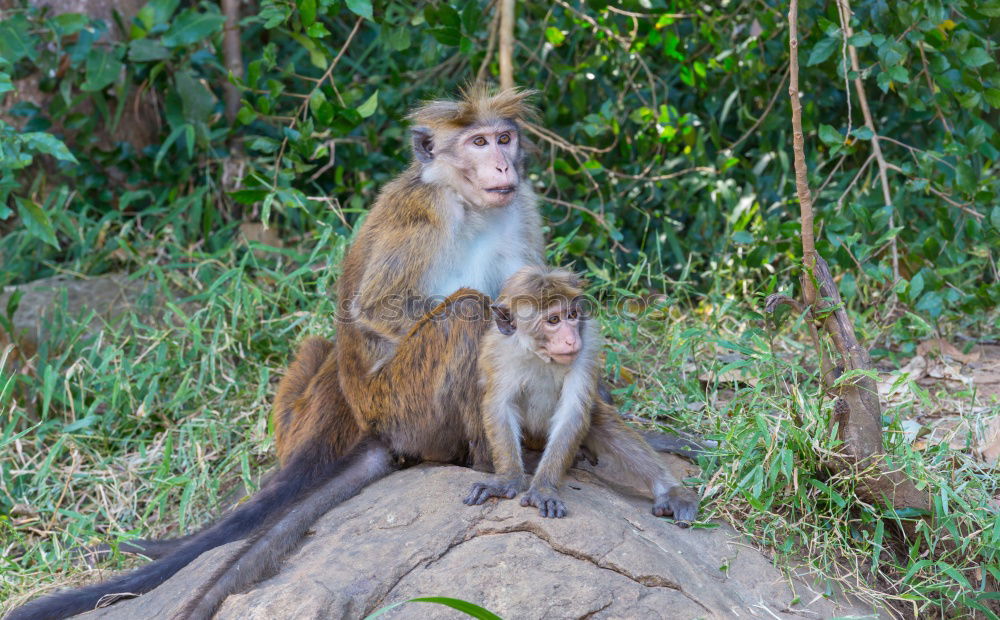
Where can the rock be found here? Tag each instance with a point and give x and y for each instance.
(109, 296)
(409, 535)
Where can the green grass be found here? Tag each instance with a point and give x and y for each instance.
(150, 426)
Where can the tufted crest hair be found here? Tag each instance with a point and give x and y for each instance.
(478, 102)
(541, 287)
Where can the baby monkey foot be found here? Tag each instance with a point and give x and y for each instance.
(546, 501)
(482, 491)
(680, 502)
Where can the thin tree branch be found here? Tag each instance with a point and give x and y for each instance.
(767, 110)
(844, 7)
(305, 103)
(506, 44)
(799, 158)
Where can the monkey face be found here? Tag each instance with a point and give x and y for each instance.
(481, 162)
(490, 154)
(559, 331)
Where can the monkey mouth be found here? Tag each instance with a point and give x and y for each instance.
(503, 189)
(562, 358)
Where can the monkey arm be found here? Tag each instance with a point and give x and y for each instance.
(388, 301)
(502, 421)
(567, 428)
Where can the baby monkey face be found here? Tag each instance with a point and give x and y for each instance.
(558, 333)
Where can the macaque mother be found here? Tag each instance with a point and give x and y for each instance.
(400, 383)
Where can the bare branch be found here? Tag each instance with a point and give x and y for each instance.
(844, 9)
(506, 44)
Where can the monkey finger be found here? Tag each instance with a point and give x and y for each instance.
(662, 509)
(556, 509)
(478, 494)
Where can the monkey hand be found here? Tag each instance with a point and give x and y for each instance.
(500, 488)
(546, 501)
(680, 502)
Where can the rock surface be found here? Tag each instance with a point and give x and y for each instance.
(109, 296)
(409, 535)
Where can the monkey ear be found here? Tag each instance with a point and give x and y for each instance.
(505, 323)
(423, 144)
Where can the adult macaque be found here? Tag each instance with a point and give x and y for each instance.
(396, 385)
(540, 372)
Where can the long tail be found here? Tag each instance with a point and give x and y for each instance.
(303, 473)
(676, 444)
(261, 554)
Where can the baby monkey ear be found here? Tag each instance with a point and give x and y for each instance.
(505, 322)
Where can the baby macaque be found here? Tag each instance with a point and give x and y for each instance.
(540, 370)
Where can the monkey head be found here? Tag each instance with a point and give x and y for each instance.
(473, 145)
(542, 309)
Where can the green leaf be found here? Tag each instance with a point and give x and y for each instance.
(822, 50)
(863, 133)
(36, 221)
(469, 609)
(157, 12)
(860, 39)
(965, 178)
(829, 135)
(916, 286)
(995, 218)
(976, 57)
(192, 27)
(248, 197)
(884, 81)
(743, 237)
(70, 23)
(898, 73)
(147, 50)
(317, 31)
(307, 12)
(246, 115)
(554, 36)
(446, 35)
(15, 41)
(174, 135)
(992, 96)
(361, 8)
(196, 99)
(368, 108)
(48, 144)
(103, 68)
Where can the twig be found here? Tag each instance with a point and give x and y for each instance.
(799, 158)
(305, 103)
(490, 44)
(861, 170)
(829, 177)
(599, 218)
(930, 86)
(232, 55)
(844, 9)
(660, 177)
(615, 9)
(506, 53)
(767, 110)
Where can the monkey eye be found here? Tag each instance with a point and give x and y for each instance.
(553, 320)
(479, 141)
(573, 315)
(504, 138)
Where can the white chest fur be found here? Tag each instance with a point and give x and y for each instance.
(484, 250)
